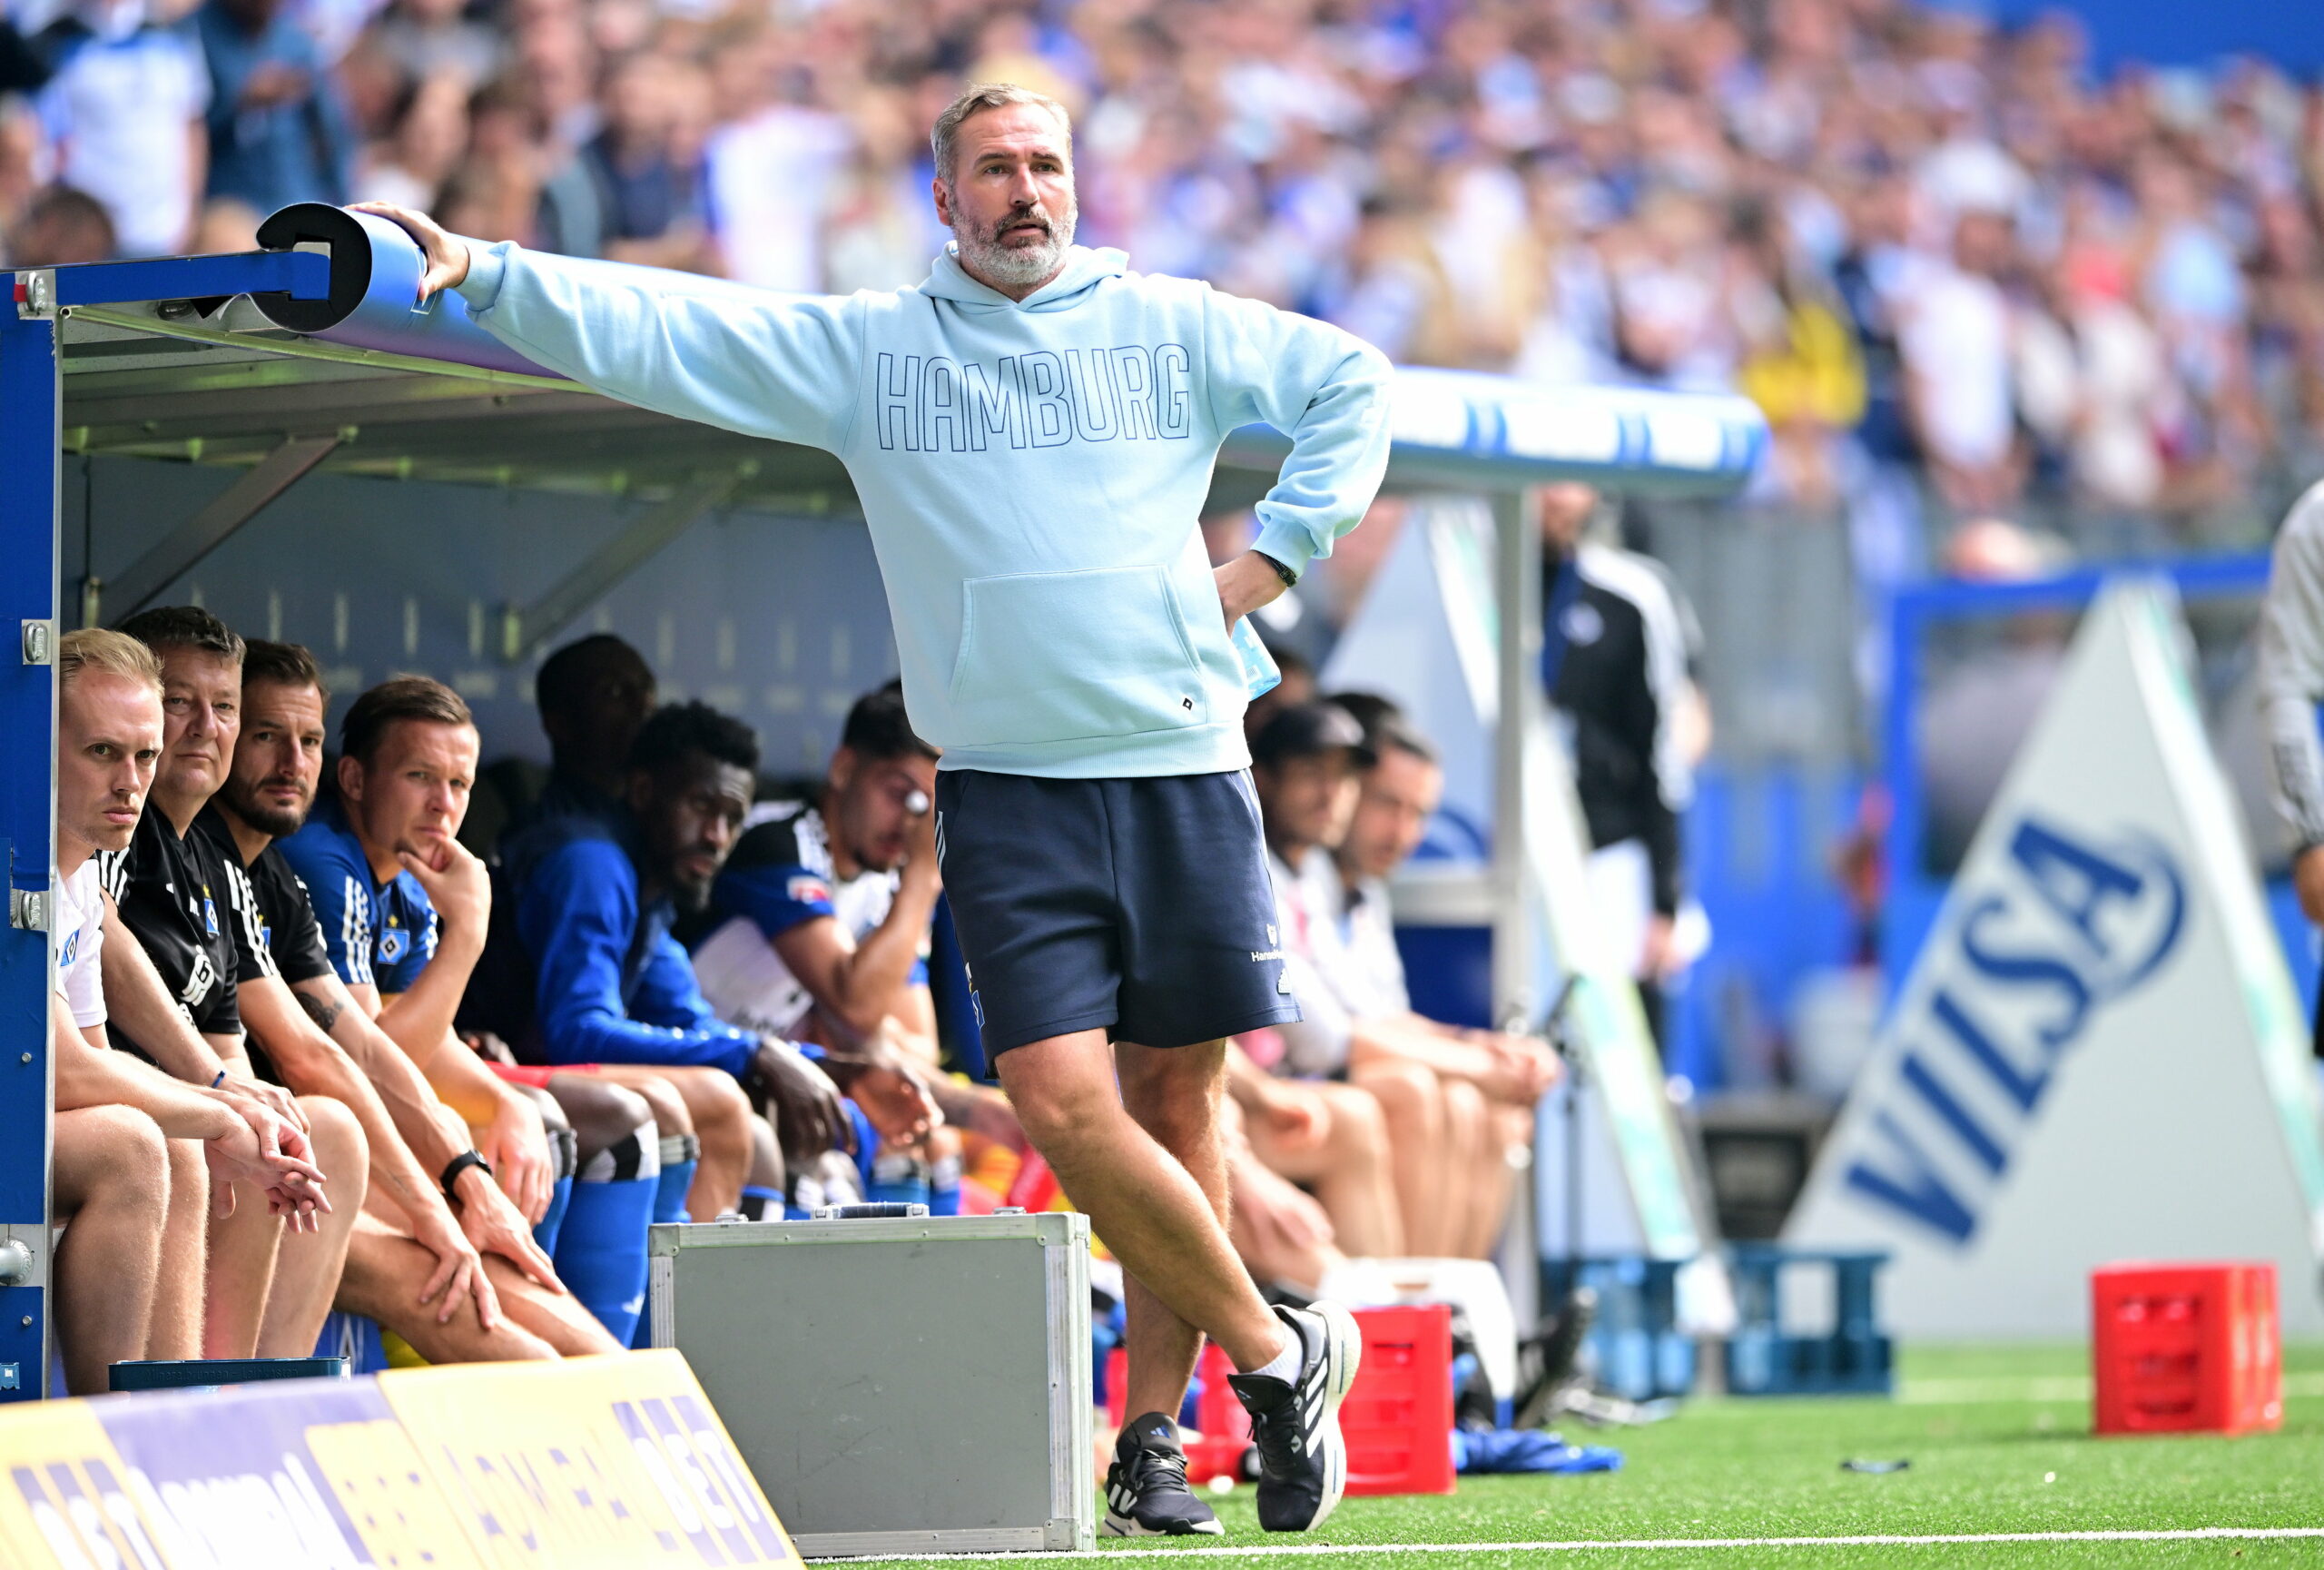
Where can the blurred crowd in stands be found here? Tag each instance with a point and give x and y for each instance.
(1932, 249)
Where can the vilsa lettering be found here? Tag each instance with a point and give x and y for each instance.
(2074, 924)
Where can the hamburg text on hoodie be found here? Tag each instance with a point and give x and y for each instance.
(1032, 471)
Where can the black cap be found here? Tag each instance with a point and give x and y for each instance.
(1306, 729)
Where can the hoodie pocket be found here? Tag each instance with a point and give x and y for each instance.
(1053, 657)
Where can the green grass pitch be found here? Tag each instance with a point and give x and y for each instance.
(1998, 1439)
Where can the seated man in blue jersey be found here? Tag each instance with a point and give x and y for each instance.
(594, 694)
(404, 911)
(818, 930)
(583, 968)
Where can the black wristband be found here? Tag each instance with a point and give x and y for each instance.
(1290, 578)
(456, 1166)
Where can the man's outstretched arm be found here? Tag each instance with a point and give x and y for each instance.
(785, 369)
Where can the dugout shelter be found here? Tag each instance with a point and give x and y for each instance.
(283, 435)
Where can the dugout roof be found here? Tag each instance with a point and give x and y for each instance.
(216, 382)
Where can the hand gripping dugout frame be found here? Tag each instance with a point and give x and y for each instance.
(374, 301)
(374, 298)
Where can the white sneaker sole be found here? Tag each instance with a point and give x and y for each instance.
(1117, 1525)
(1343, 1353)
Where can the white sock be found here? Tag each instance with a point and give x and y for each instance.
(1286, 1366)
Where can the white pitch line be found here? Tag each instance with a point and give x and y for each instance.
(1586, 1546)
(2052, 1388)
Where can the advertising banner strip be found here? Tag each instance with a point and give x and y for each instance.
(606, 1461)
(609, 1462)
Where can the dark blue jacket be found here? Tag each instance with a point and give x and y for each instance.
(579, 970)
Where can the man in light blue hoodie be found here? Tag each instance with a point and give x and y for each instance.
(1031, 432)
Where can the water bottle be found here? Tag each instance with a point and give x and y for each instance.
(1260, 673)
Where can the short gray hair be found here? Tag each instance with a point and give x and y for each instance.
(976, 100)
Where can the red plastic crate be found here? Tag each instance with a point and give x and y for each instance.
(1397, 1419)
(1214, 1450)
(2185, 1349)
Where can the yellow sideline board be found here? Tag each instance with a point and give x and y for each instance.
(597, 1462)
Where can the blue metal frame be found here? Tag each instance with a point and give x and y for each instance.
(31, 414)
(301, 274)
(32, 401)
(1913, 899)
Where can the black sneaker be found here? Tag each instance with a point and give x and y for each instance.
(1303, 1464)
(1147, 1494)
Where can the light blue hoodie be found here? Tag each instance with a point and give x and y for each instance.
(1031, 472)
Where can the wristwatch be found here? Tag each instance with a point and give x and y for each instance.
(1290, 578)
(456, 1166)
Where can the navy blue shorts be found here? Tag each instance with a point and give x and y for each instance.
(1138, 906)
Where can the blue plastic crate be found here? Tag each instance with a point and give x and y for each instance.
(1762, 1359)
(1634, 1342)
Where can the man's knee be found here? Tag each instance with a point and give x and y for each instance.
(1405, 1090)
(1466, 1111)
(602, 1113)
(1173, 1086)
(1359, 1124)
(116, 1152)
(552, 1115)
(717, 1102)
(341, 1148)
(1063, 1097)
(721, 1097)
(667, 1107)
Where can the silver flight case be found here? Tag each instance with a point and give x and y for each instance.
(899, 1385)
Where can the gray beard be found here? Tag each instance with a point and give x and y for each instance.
(986, 258)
